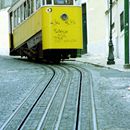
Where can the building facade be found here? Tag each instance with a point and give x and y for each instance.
(6, 3)
(4, 32)
(117, 27)
(96, 27)
(121, 51)
(98, 31)
(4, 26)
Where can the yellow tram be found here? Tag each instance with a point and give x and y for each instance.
(45, 29)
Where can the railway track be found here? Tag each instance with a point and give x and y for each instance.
(92, 116)
(61, 101)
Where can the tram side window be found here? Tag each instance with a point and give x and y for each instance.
(32, 6)
(38, 4)
(18, 16)
(22, 12)
(63, 2)
(28, 8)
(15, 18)
(11, 21)
(25, 10)
(43, 2)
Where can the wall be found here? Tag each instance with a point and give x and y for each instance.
(117, 34)
(6, 3)
(120, 34)
(4, 37)
(96, 27)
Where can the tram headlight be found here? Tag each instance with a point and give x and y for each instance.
(49, 10)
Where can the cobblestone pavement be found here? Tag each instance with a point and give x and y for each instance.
(62, 102)
(15, 78)
(111, 90)
(112, 98)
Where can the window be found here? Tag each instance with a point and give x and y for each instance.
(48, 1)
(59, 2)
(15, 18)
(22, 12)
(69, 2)
(63, 2)
(38, 4)
(25, 10)
(122, 21)
(18, 16)
(11, 22)
(32, 6)
(28, 8)
(43, 2)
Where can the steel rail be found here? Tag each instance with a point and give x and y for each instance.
(63, 105)
(62, 83)
(36, 100)
(33, 90)
(57, 80)
(49, 104)
(76, 122)
(79, 98)
(94, 117)
(93, 106)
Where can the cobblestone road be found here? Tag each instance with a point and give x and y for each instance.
(111, 92)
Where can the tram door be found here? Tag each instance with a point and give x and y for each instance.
(84, 24)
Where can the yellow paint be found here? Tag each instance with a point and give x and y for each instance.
(28, 28)
(60, 34)
(56, 33)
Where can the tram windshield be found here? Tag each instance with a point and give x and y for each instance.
(63, 2)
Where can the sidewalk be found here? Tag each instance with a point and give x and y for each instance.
(102, 61)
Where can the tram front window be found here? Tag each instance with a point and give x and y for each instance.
(48, 1)
(63, 2)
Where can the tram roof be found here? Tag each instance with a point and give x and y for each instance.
(19, 3)
(16, 5)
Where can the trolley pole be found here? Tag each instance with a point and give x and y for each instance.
(126, 30)
(110, 44)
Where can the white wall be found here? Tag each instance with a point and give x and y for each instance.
(118, 36)
(4, 33)
(96, 27)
